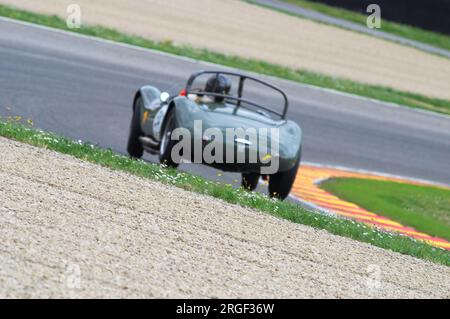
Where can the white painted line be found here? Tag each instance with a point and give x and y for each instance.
(191, 60)
(313, 207)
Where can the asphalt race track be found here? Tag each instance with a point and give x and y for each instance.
(83, 89)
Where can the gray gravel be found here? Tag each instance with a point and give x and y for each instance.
(72, 229)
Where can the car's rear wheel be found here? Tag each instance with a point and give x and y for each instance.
(167, 144)
(250, 181)
(280, 184)
(134, 147)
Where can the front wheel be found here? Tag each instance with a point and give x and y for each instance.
(167, 144)
(280, 184)
(134, 147)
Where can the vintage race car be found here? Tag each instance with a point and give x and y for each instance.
(211, 124)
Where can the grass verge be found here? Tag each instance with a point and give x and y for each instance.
(302, 76)
(107, 158)
(424, 208)
(417, 34)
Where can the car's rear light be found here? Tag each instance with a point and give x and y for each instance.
(183, 93)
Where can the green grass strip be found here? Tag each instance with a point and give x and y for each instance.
(424, 208)
(344, 85)
(294, 213)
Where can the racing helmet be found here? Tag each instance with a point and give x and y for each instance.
(219, 84)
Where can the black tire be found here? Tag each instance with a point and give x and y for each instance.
(167, 144)
(250, 181)
(280, 184)
(135, 148)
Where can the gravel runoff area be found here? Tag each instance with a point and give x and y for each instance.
(238, 28)
(69, 228)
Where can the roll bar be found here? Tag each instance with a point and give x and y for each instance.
(239, 100)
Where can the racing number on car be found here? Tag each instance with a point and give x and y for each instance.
(144, 118)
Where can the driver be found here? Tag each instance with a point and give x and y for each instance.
(218, 84)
